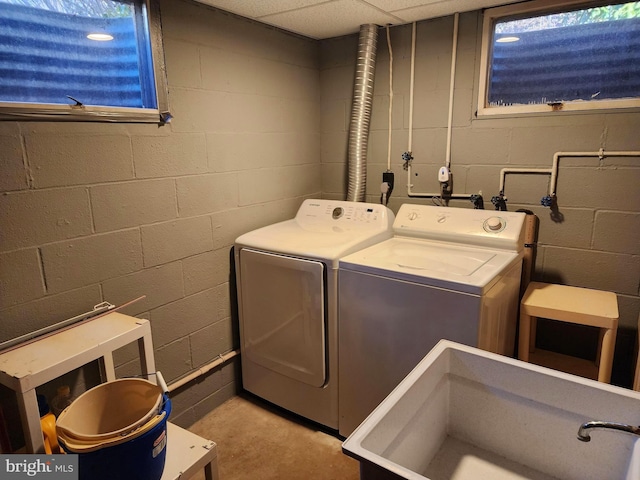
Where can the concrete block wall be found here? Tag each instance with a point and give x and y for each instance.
(592, 241)
(94, 212)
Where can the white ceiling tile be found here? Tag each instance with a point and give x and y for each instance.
(332, 19)
(259, 8)
(393, 5)
(441, 8)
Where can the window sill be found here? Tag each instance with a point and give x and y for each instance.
(83, 113)
(569, 108)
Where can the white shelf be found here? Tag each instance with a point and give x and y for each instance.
(187, 453)
(35, 363)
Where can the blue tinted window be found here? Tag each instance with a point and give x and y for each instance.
(580, 55)
(49, 53)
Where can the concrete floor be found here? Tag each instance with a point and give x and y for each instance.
(257, 441)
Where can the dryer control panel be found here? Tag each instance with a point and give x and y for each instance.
(346, 214)
(495, 229)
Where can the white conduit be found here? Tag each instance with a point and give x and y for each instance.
(553, 171)
(390, 98)
(411, 80)
(454, 56)
(410, 193)
(222, 358)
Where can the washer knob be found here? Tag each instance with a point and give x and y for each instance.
(494, 223)
(412, 215)
(337, 213)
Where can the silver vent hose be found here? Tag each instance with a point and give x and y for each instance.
(361, 113)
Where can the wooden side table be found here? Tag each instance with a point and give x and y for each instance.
(576, 305)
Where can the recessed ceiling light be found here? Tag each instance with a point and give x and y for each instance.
(508, 39)
(100, 37)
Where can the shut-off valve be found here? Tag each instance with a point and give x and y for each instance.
(500, 202)
(478, 202)
(548, 201)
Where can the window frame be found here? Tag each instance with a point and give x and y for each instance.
(100, 113)
(529, 8)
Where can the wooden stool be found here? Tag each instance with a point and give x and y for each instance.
(581, 306)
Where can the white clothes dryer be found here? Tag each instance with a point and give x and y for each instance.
(287, 284)
(447, 273)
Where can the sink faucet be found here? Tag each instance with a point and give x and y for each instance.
(583, 431)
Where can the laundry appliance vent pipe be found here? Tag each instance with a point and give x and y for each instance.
(361, 112)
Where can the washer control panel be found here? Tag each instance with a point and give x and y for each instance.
(461, 225)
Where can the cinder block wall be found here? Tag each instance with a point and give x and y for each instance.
(93, 212)
(594, 242)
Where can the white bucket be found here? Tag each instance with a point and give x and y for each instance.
(111, 409)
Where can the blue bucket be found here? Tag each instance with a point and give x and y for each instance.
(141, 458)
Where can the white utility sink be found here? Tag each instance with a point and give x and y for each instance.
(467, 414)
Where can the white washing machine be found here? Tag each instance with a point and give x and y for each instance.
(287, 277)
(449, 273)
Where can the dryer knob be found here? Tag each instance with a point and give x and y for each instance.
(494, 223)
(412, 215)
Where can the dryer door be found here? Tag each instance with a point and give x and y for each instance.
(283, 314)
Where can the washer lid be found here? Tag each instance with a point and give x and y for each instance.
(324, 229)
(447, 265)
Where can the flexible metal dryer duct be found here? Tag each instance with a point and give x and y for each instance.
(361, 113)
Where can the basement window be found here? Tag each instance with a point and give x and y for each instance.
(82, 60)
(537, 59)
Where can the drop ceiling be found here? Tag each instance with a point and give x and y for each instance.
(321, 19)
